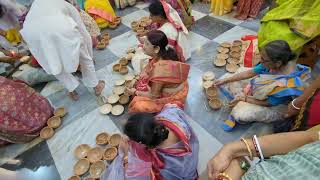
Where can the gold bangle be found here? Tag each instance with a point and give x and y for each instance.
(248, 148)
(225, 176)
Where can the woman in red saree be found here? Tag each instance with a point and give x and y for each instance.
(163, 80)
(23, 112)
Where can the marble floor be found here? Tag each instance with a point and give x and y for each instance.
(53, 159)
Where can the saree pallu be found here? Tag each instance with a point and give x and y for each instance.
(295, 21)
(101, 11)
(302, 163)
(178, 161)
(165, 72)
(23, 112)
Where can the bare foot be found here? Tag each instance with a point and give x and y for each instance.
(99, 87)
(74, 95)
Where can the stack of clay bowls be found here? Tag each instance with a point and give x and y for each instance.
(141, 26)
(105, 38)
(207, 79)
(53, 123)
(223, 54)
(211, 92)
(115, 23)
(95, 160)
(121, 66)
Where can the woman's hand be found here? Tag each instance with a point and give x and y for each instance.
(291, 111)
(235, 101)
(131, 91)
(219, 82)
(219, 163)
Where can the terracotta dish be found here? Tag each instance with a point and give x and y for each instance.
(46, 133)
(54, 122)
(82, 150)
(105, 41)
(223, 50)
(105, 36)
(105, 109)
(212, 92)
(74, 178)
(208, 76)
(130, 50)
(117, 110)
(134, 24)
(207, 84)
(114, 140)
(116, 67)
(233, 61)
(124, 99)
(123, 61)
(222, 56)
(97, 169)
(237, 43)
(113, 25)
(81, 167)
(110, 153)
(95, 154)
(215, 104)
(235, 49)
(102, 138)
(220, 62)
(145, 18)
(226, 45)
(113, 98)
(124, 70)
(120, 82)
(236, 55)
(232, 68)
(118, 90)
(143, 24)
(60, 112)
(101, 45)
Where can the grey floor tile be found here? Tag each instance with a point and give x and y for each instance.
(126, 11)
(118, 31)
(103, 58)
(201, 7)
(211, 27)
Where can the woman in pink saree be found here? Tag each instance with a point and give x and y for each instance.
(23, 112)
(161, 147)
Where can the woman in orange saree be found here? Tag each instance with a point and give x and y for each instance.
(163, 80)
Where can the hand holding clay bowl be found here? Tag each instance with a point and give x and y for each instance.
(74, 178)
(82, 150)
(54, 122)
(117, 110)
(114, 140)
(102, 138)
(110, 153)
(123, 61)
(97, 169)
(124, 70)
(105, 109)
(116, 67)
(212, 92)
(60, 112)
(95, 154)
(81, 167)
(46, 133)
(124, 99)
(215, 104)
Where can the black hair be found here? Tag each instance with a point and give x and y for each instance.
(159, 38)
(1, 11)
(143, 128)
(279, 50)
(156, 9)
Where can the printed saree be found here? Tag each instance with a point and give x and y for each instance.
(23, 112)
(168, 73)
(295, 21)
(178, 161)
(101, 11)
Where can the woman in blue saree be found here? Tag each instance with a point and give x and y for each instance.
(159, 147)
(262, 93)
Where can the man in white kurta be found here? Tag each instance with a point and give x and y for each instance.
(60, 42)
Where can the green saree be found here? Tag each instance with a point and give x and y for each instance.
(295, 21)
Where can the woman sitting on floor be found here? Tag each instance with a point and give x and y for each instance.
(159, 147)
(23, 112)
(294, 155)
(274, 82)
(163, 80)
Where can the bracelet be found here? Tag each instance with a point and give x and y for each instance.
(244, 165)
(257, 147)
(248, 148)
(319, 135)
(294, 106)
(224, 176)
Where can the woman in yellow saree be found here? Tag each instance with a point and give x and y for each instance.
(101, 11)
(294, 21)
(163, 80)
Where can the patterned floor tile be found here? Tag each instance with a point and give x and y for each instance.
(234, 34)
(103, 58)
(126, 11)
(195, 41)
(134, 17)
(211, 27)
(120, 44)
(116, 32)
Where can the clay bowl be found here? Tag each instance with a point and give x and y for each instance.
(235, 55)
(102, 138)
(220, 62)
(101, 45)
(46, 133)
(116, 67)
(233, 61)
(223, 50)
(124, 99)
(113, 25)
(114, 140)
(145, 18)
(222, 56)
(215, 104)
(207, 84)
(117, 110)
(149, 22)
(237, 43)
(235, 49)
(112, 99)
(81, 151)
(119, 90)
(232, 68)
(128, 84)
(129, 56)
(81, 167)
(54, 122)
(208, 76)
(129, 77)
(124, 70)
(130, 50)
(60, 112)
(134, 24)
(117, 21)
(140, 30)
(123, 61)
(110, 153)
(74, 178)
(95, 154)
(105, 109)
(120, 82)
(226, 45)
(143, 24)
(105, 36)
(105, 41)
(97, 169)
(212, 92)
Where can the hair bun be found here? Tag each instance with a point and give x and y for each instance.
(161, 132)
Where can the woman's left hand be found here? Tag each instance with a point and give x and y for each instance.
(124, 146)
(131, 91)
(235, 101)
